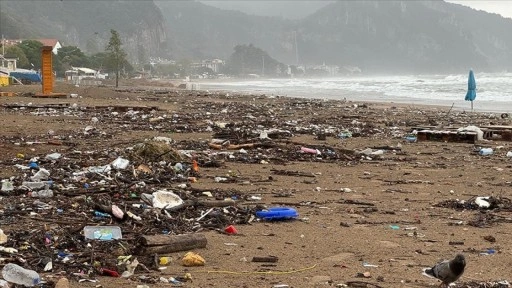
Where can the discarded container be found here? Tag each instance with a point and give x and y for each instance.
(178, 167)
(133, 216)
(485, 151)
(120, 163)
(53, 156)
(166, 199)
(35, 185)
(195, 166)
(309, 150)
(344, 134)
(482, 202)
(231, 230)
(220, 179)
(117, 212)
(109, 272)
(102, 232)
(277, 213)
(46, 193)
(3, 237)
(165, 261)
(7, 186)
(101, 214)
(18, 275)
(42, 174)
(411, 138)
(100, 169)
(509, 154)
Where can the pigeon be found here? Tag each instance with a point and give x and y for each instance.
(447, 271)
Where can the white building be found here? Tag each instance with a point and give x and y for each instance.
(77, 74)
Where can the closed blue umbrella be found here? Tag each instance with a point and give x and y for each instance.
(471, 94)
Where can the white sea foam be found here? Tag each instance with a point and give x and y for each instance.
(494, 91)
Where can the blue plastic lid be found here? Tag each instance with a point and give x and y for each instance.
(277, 213)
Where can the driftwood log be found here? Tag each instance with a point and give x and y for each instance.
(163, 244)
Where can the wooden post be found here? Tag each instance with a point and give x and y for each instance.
(47, 70)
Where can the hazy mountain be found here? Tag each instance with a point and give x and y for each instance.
(196, 30)
(285, 9)
(376, 36)
(406, 35)
(86, 24)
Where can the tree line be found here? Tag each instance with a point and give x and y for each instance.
(112, 60)
(245, 60)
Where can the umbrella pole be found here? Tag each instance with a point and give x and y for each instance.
(471, 106)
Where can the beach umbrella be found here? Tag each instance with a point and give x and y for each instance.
(471, 95)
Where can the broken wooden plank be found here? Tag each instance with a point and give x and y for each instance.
(163, 244)
(291, 173)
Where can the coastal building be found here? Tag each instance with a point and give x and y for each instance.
(54, 43)
(77, 75)
(215, 64)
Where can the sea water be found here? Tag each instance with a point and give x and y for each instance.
(494, 90)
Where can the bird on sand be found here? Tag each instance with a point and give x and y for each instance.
(448, 271)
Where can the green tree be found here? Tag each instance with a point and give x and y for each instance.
(32, 50)
(99, 61)
(73, 56)
(141, 55)
(248, 59)
(69, 56)
(17, 52)
(116, 54)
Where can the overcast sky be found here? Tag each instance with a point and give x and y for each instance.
(501, 7)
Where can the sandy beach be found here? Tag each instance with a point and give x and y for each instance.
(365, 220)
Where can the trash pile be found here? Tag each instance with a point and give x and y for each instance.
(62, 203)
(488, 208)
(478, 203)
(475, 284)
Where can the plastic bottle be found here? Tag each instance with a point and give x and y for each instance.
(102, 232)
(18, 275)
(485, 151)
(46, 193)
(309, 150)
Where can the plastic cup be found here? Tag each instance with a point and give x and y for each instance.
(231, 230)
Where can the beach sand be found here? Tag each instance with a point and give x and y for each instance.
(387, 218)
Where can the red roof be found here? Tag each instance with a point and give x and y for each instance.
(48, 42)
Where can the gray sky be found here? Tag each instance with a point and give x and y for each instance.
(500, 7)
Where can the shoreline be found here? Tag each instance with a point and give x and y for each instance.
(441, 90)
(391, 102)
